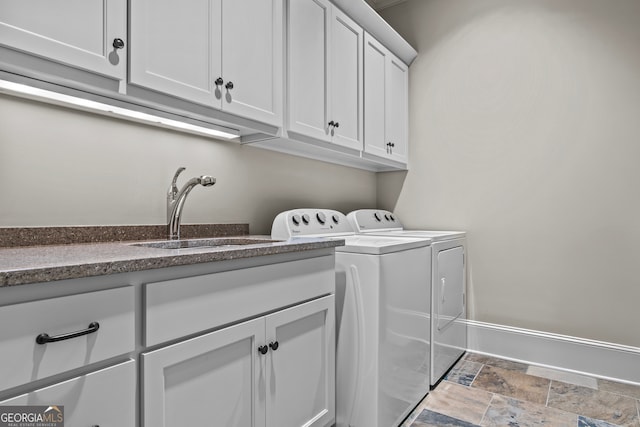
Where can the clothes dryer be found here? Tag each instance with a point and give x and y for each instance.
(382, 301)
(447, 288)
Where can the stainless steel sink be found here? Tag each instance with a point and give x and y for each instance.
(221, 243)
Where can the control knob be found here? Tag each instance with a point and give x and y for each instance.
(321, 217)
(335, 219)
(296, 219)
(305, 219)
(377, 216)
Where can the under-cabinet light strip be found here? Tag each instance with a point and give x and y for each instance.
(99, 107)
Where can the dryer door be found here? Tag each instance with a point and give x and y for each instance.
(449, 288)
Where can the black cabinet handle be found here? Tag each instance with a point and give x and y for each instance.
(219, 81)
(337, 125)
(118, 43)
(274, 345)
(46, 338)
(229, 85)
(263, 349)
(332, 123)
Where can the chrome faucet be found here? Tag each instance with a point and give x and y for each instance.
(175, 200)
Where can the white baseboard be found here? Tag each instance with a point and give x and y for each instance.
(595, 358)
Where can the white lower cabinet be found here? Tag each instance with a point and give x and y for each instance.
(209, 380)
(275, 370)
(105, 398)
(301, 369)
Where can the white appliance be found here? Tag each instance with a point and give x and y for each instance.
(448, 283)
(382, 309)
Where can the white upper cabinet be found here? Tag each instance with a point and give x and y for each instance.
(252, 59)
(386, 103)
(308, 39)
(175, 48)
(325, 74)
(86, 34)
(375, 63)
(346, 80)
(397, 108)
(225, 54)
(222, 63)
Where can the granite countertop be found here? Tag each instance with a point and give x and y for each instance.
(21, 265)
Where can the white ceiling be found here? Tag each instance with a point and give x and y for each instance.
(381, 4)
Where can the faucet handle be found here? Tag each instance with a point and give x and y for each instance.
(173, 190)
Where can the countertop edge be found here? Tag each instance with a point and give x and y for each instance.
(83, 269)
(12, 237)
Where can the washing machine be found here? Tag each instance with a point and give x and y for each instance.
(448, 283)
(382, 304)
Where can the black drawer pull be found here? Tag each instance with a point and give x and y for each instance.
(45, 338)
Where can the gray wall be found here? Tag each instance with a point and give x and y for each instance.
(525, 131)
(64, 167)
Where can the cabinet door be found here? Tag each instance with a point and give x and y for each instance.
(104, 398)
(252, 49)
(213, 379)
(375, 68)
(79, 33)
(386, 102)
(308, 77)
(397, 108)
(176, 48)
(301, 372)
(346, 80)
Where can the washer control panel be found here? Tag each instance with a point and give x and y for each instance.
(373, 219)
(307, 222)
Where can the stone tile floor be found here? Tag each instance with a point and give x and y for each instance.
(486, 391)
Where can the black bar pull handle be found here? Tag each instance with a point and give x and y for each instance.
(45, 338)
